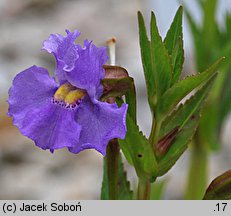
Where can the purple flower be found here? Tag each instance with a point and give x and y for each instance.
(68, 113)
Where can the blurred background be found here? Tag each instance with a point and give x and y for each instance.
(27, 172)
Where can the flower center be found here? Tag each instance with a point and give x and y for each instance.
(68, 96)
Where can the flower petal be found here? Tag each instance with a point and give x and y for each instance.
(88, 70)
(100, 123)
(30, 88)
(64, 50)
(49, 125)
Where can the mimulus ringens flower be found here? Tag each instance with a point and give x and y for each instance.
(68, 113)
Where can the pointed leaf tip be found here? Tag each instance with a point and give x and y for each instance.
(182, 88)
(145, 50)
(160, 60)
(186, 117)
(174, 45)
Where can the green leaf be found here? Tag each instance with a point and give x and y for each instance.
(220, 188)
(186, 117)
(177, 60)
(140, 151)
(130, 97)
(178, 146)
(185, 111)
(174, 32)
(165, 143)
(178, 91)
(124, 191)
(146, 60)
(160, 59)
(174, 44)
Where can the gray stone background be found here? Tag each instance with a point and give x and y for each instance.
(26, 172)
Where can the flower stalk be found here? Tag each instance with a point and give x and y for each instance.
(112, 159)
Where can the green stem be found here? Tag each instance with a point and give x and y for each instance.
(112, 159)
(197, 177)
(144, 190)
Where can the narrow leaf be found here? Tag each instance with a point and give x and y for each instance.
(130, 97)
(184, 112)
(177, 60)
(174, 32)
(179, 146)
(140, 151)
(161, 63)
(165, 143)
(146, 60)
(124, 191)
(174, 44)
(186, 118)
(181, 89)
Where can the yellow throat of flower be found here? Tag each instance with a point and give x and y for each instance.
(69, 94)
